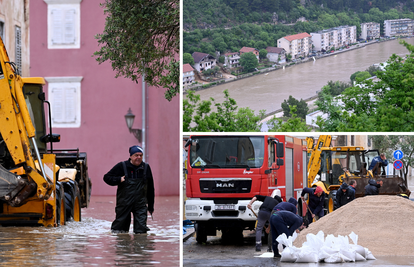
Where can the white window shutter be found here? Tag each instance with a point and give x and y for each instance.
(70, 26)
(57, 26)
(58, 105)
(70, 105)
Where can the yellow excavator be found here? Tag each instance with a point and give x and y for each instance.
(330, 166)
(38, 185)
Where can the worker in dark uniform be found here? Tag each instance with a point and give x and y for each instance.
(291, 206)
(381, 159)
(372, 188)
(135, 192)
(344, 195)
(316, 202)
(263, 215)
(284, 221)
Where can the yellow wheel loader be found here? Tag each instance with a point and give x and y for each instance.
(38, 185)
(329, 167)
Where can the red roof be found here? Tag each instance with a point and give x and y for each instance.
(276, 50)
(298, 36)
(187, 68)
(247, 49)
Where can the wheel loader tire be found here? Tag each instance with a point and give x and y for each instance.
(72, 200)
(330, 203)
(60, 204)
(77, 215)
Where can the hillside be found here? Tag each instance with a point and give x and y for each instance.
(208, 14)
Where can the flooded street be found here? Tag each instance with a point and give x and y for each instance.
(303, 80)
(91, 243)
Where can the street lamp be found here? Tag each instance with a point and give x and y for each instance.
(129, 118)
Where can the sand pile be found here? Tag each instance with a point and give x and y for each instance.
(384, 224)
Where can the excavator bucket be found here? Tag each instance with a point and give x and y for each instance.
(392, 185)
(9, 184)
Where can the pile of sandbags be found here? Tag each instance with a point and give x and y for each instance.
(317, 248)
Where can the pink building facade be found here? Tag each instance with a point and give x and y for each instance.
(94, 122)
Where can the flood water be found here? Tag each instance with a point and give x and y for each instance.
(303, 80)
(91, 243)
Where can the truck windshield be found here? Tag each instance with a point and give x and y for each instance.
(36, 111)
(227, 152)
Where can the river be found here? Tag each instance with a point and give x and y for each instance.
(91, 243)
(303, 80)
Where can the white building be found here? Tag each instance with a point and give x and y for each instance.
(334, 38)
(14, 31)
(232, 60)
(188, 75)
(398, 27)
(298, 45)
(276, 54)
(203, 61)
(370, 31)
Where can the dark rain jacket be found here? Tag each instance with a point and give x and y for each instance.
(285, 206)
(291, 220)
(136, 188)
(372, 188)
(315, 203)
(268, 202)
(374, 162)
(344, 198)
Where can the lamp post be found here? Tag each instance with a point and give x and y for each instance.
(129, 118)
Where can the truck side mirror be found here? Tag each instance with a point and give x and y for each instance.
(54, 138)
(279, 162)
(280, 150)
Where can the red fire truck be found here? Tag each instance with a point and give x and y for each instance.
(225, 172)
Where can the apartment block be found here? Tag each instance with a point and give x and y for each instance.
(398, 27)
(334, 38)
(298, 45)
(370, 31)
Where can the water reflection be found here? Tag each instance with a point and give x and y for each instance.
(91, 243)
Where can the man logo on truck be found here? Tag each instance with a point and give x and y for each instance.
(224, 184)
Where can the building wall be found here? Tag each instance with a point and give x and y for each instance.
(15, 13)
(103, 133)
(398, 27)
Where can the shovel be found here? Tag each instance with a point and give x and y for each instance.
(305, 219)
(267, 229)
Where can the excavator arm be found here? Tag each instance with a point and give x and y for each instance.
(21, 175)
(315, 158)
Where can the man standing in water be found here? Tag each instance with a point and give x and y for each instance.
(135, 192)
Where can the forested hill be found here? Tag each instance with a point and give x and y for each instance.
(203, 14)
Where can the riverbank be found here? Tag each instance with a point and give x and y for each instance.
(265, 71)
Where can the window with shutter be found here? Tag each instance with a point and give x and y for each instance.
(65, 100)
(63, 24)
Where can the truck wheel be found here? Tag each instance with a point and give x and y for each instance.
(201, 234)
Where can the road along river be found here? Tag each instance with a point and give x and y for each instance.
(303, 80)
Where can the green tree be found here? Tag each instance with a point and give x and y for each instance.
(151, 50)
(301, 107)
(187, 58)
(249, 61)
(262, 53)
(293, 124)
(198, 116)
(221, 59)
(387, 144)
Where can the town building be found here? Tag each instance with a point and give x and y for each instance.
(276, 54)
(232, 60)
(93, 102)
(398, 27)
(298, 45)
(249, 49)
(14, 31)
(333, 38)
(203, 61)
(188, 75)
(370, 31)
